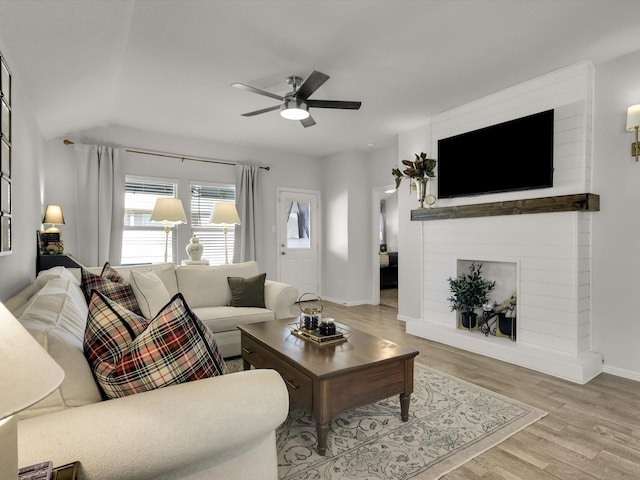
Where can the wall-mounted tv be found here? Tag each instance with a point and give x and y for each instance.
(509, 156)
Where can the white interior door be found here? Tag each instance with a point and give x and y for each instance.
(299, 239)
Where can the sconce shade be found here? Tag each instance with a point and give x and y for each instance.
(53, 215)
(27, 372)
(168, 210)
(633, 117)
(224, 214)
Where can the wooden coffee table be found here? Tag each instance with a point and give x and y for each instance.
(329, 379)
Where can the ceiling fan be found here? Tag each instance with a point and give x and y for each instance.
(296, 104)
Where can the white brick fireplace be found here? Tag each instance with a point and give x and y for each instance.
(550, 252)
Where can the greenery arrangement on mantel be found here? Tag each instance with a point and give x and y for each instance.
(419, 171)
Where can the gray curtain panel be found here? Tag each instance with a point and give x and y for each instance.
(247, 203)
(98, 232)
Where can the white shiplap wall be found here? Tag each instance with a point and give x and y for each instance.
(552, 252)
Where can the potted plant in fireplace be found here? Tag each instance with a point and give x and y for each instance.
(468, 292)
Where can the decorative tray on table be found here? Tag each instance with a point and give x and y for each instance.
(316, 337)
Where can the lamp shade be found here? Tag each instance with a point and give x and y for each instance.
(168, 210)
(27, 372)
(53, 215)
(224, 213)
(27, 375)
(633, 117)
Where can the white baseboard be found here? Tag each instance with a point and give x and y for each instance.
(347, 303)
(622, 372)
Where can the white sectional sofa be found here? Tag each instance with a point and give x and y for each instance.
(221, 427)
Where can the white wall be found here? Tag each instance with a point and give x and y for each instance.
(286, 170)
(18, 268)
(347, 227)
(410, 233)
(616, 229)
(359, 230)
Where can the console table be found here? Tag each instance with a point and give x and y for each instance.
(45, 262)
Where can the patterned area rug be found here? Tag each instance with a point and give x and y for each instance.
(450, 422)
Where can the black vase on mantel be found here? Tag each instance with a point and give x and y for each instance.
(468, 319)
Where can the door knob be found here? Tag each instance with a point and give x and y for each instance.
(283, 253)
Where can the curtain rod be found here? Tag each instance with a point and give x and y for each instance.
(179, 157)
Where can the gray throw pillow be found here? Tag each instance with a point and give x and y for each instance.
(247, 292)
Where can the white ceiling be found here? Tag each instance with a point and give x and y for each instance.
(167, 65)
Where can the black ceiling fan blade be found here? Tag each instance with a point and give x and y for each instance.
(311, 84)
(334, 104)
(308, 122)
(258, 112)
(249, 88)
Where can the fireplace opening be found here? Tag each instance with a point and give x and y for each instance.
(498, 316)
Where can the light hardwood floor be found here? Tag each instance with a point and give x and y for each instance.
(591, 431)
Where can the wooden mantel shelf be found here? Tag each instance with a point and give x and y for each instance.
(581, 202)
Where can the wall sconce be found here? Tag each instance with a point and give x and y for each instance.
(633, 124)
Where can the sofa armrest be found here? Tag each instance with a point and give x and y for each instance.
(279, 298)
(167, 433)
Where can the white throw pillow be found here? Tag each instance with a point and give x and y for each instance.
(150, 293)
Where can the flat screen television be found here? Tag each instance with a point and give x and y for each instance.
(510, 156)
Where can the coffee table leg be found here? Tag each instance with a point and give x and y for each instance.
(323, 433)
(404, 406)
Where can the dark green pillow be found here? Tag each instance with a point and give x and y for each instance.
(247, 292)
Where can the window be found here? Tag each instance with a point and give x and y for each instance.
(143, 240)
(298, 225)
(203, 199)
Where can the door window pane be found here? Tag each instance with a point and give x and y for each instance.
(298, 225)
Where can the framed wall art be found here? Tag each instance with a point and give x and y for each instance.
(5, 158)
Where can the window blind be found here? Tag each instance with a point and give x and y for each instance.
(143, 240)
(203, 200)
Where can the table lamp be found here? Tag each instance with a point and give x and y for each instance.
(225, 214)
(168, 210)
(27, 375)
(53, 215)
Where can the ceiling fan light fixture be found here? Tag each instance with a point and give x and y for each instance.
(294, 109)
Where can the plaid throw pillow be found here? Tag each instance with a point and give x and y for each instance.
(111, 284)
(111, 273)
(129, 354)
